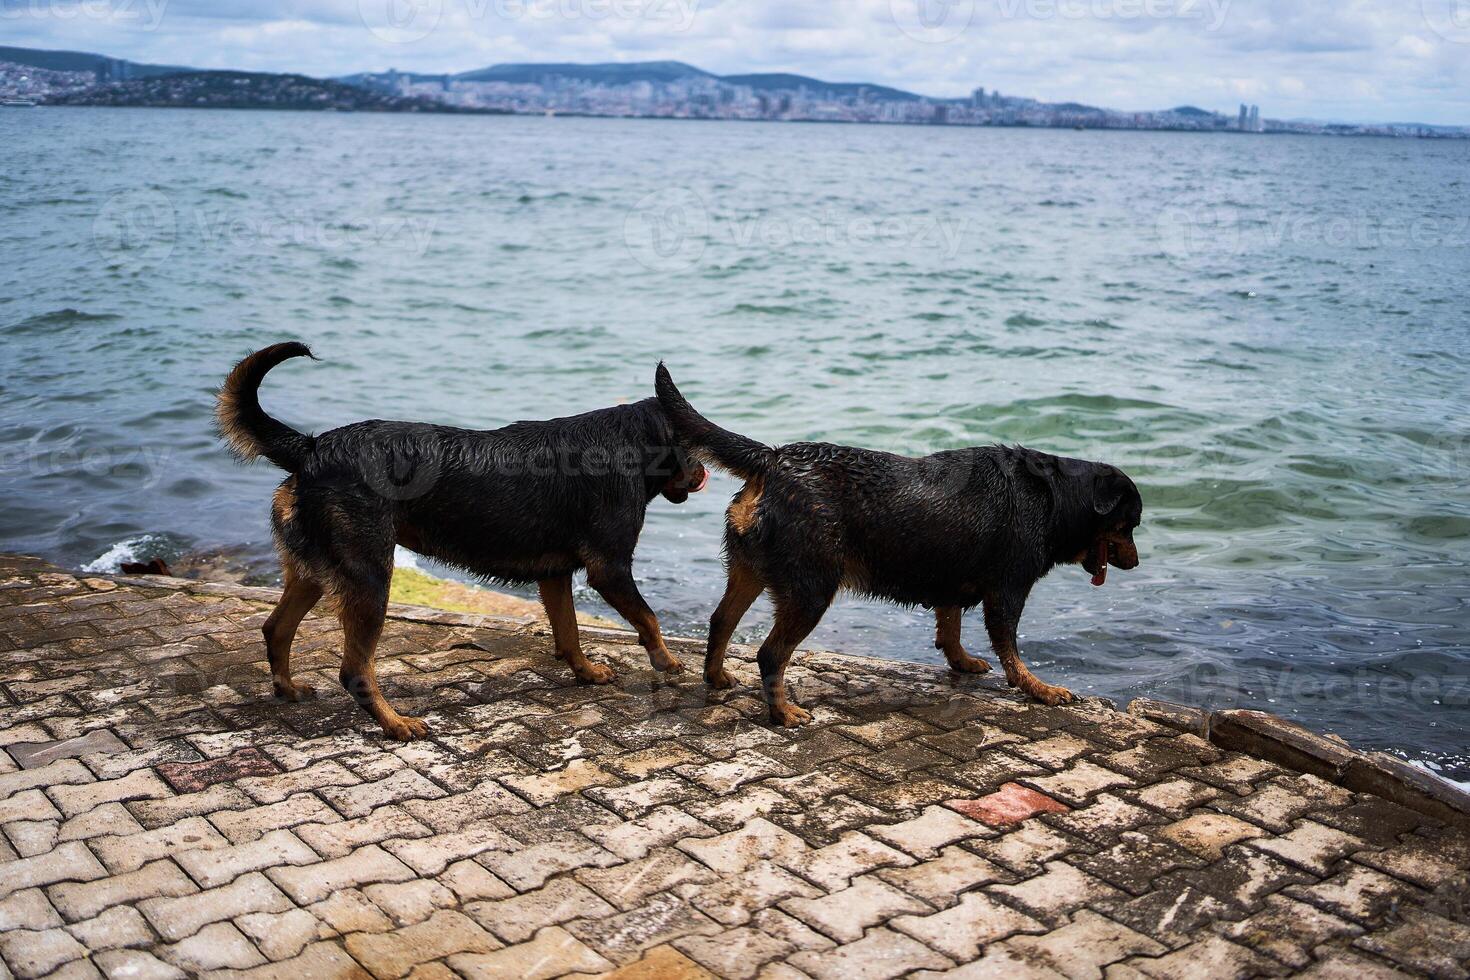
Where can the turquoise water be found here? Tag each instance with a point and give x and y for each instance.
(1268, 333)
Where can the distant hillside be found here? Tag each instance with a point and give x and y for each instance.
(83, 61)
(604, 74)
(245, 90)
(778, 81)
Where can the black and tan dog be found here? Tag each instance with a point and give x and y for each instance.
(948, 531)
(532, 502)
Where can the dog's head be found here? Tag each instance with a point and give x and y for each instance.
(688, 476)
(1117, 509)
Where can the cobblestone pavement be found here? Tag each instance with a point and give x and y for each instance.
(162, 815)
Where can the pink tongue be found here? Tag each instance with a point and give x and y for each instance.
(703, 479)
(1101, 575)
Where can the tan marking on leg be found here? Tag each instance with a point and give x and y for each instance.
(742, 510)
(947, 621)
(1019, 677)
(556, 597)
(741, 589)
(616, 585)
(298, 597)
(283, 501)
(362, 624)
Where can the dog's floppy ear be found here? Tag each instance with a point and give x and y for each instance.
(1108, 488)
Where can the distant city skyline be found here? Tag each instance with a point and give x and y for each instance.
(1377, 61)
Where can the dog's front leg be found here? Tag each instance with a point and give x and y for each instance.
(947, 621)
(556, 597)
(614, 582)
(1002, 616)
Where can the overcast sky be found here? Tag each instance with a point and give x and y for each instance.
(1378, 60)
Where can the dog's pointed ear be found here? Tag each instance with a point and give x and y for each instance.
(1108, 488)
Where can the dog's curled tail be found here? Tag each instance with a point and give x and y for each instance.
(244, 425)
(744, 457)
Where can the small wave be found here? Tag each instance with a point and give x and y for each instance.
(1024, 320)
(139, 548)
(227, 192)
(59, 318)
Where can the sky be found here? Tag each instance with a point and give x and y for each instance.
(1362, 60)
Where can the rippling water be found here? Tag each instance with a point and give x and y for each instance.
(1269, 334)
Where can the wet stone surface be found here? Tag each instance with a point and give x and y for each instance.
(162, 815)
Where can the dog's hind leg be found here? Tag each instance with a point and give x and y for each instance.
(556, 596)
(614, 582)
(947, 621)
(362, 603)
(742, 588)
(1002, 616)
(796, 617)
(299, 595)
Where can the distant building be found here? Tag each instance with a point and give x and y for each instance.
(1255, 119)
(1244, 119)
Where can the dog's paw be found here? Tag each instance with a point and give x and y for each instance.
(293, 692)
(1050, 694)
(666, 662)
(720, 680)
(788, 715)
(967, 664)
(405, 729)
(593, 673)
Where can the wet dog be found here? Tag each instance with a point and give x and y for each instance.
(532, 502)
(949, 531)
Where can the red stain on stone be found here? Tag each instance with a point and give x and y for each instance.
(1010, 805)
(191, 777)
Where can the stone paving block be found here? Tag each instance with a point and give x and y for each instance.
(880, 954)
(1288, 930)
(431, 855)
(1024, 851)
(835, 865)
(1212, 956)
(63, 772)
(273, 789)
(393, 954)
(1208, 834)
(33, 755)
(68, 862)
(525, 868)
(180, 917)
(141, 785)
(217, 947)
(244, 826)
(734, 899)
(732, 812)
(191, 777)
(27, 909)
(940, 880)
(1060, 889)
(280, 935)
(552, 953)
(628, 885)
(39, 954)
(622, 938)
(135, 964)
(221, 865)
(662, 826)
(30, 837)
(1073, 786)
(360, 800)
(347, 911)
(1135, 862)
(29, 804)
(410, 902)
(1176, 797)
(1086, 946)
(77, 902)
(1342, 964)
(1360, 894)
(924, 835)
(844, 914)
(636, 799)
(1423, 942)
(964, 929)
(1011, 804)
(153, 814)
(1312, 846)
(315, 882)
(737, 953)
(733, 852)
(341, 838)
(131, 852)
(517, 919)
(726, 776)
(450, 813)
(119, 926)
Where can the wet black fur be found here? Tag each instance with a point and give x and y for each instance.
(957, 528)
(530, 501)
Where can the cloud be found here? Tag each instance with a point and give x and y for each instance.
(1369, 59)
